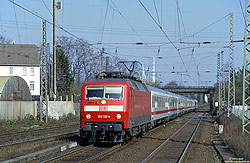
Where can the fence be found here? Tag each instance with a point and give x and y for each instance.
(18, 109)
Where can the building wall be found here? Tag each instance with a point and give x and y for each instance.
(26, 72)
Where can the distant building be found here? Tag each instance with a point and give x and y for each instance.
(21, 60)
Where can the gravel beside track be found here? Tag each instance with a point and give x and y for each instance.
(20, 143)
(201, 149)
(139, 150)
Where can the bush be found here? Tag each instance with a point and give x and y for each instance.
(233, 137)
(30, 122)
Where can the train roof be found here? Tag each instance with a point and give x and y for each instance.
(151, 88)
(137, 85)
(109, 80)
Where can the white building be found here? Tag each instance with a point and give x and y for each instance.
(21, 60)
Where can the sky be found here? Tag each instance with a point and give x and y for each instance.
(172, 31)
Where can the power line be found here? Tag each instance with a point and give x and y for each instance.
(49, 10)
(40, 17)
(16, 23)
(104, 22)
(156, 12)
(164, 34)
(1, 21)
(209, 25)
(242, 11)
(118, 11)
(25, 26)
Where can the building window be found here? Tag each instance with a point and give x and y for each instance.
(32, 71)
(32, 85)
(24, 71)
(11, 70)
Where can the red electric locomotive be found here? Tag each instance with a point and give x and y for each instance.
(114, 109)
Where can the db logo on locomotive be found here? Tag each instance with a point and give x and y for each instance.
(103, 108)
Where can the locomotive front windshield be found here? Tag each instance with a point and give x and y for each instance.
(104, 92)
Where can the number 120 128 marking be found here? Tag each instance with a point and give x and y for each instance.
(103, 116)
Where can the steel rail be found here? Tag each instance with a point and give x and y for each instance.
(183, 153)
(159, 147)
(102, 154)
(48, 138)
(35, 130)
(69, 154)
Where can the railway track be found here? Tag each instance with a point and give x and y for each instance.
(12, 138)
(16, 144)
(46, 139)
(174, 148)
(95, 153)
(90, 153)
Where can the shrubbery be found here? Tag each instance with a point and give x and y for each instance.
(30, 122)
(233, 137)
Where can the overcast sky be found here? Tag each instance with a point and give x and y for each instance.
(171, 29)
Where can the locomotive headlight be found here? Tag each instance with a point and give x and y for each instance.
(118, 116)
(88, 116)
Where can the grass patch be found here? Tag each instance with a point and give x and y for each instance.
(233, 137)
(30, 122)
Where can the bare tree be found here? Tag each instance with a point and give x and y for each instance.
(171, 84)
(83, 59)
(4, 40)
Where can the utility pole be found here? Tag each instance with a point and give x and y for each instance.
(246, 67)
(54, 51)
(44, 79)
(107, 64)
(101, 66)
(231, 79)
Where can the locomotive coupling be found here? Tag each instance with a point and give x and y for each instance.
(100, 127)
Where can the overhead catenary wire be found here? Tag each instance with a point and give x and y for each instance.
(18, 33)
(49, 10)
(209, 25)
(242, 11)
(40, 17)
(156, 12)
(164, 34)
(184, 29)
(25, 26)
(1, 21)
(105, 16)
(119, 12)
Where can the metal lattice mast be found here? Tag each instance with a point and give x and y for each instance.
(246, 70)
(231, 79)
(219, 86)
(44, 79)
(223, 90)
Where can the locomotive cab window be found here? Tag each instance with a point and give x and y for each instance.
(94, 92)
(113, 92)
(107, 92)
